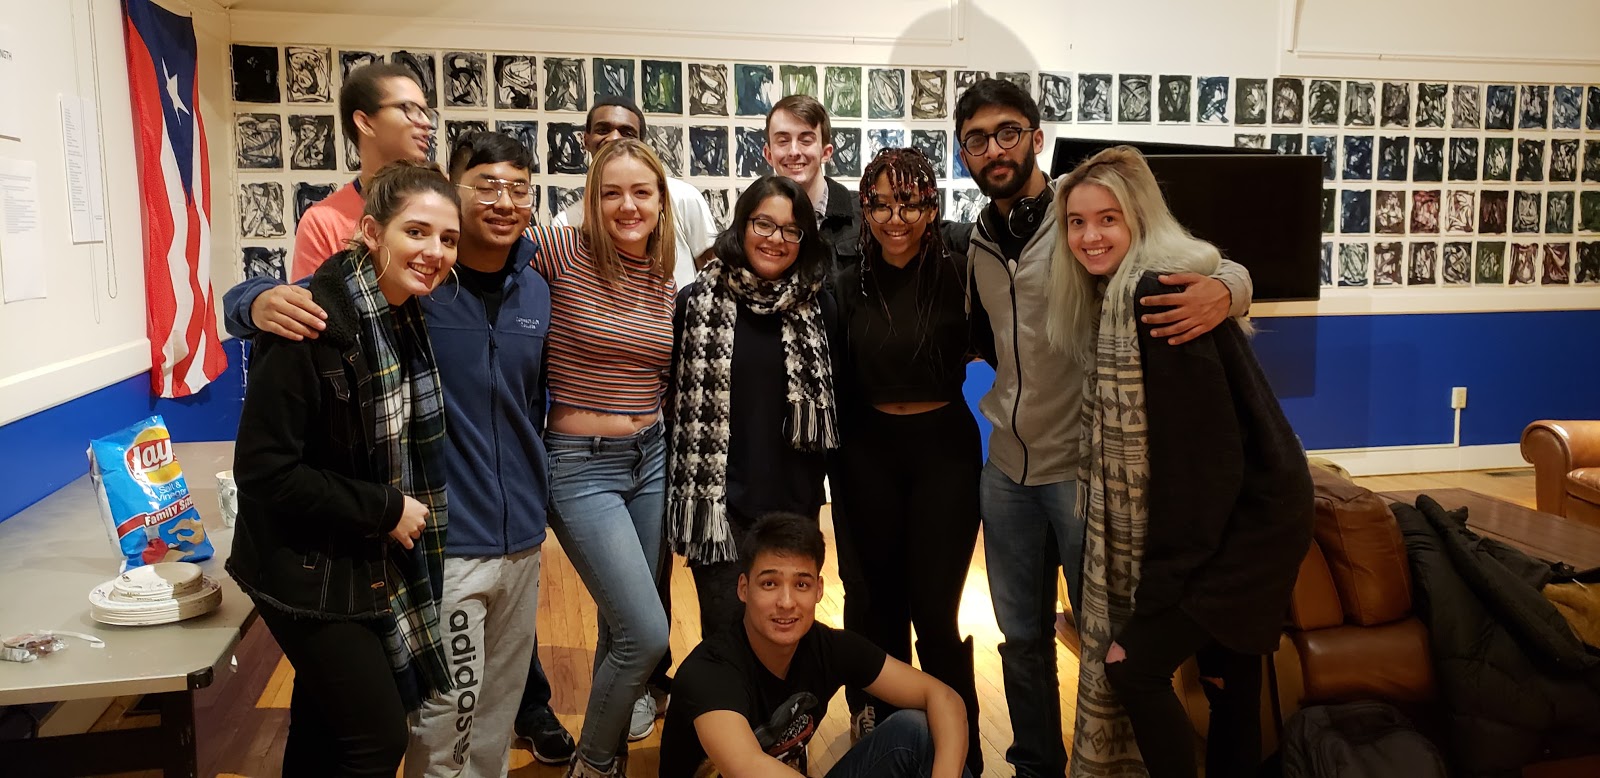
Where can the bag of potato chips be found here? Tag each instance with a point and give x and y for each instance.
(143, 497)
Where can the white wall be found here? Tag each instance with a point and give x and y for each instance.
(82, 338)
(89, 331)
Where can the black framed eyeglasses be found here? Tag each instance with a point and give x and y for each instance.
(416, 114)
(489, 190)
(1008, 137)
(765, 227)
(910, 213)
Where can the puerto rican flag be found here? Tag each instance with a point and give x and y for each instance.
(175, 188)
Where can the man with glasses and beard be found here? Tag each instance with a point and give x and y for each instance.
(1028, 487)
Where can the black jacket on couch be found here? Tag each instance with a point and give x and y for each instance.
(1515, 683)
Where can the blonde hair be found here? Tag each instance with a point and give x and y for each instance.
(1156, 242)
(661, 246)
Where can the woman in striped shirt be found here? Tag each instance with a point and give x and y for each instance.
(611, 294)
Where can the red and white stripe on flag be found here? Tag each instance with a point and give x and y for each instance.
(175, 188)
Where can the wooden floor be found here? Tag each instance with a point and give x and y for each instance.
(242, 719)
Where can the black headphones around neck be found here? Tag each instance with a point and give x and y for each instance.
(1027, 213)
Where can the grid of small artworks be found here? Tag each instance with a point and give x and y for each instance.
(1427, 183)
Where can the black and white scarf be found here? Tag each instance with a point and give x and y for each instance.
(697, 505)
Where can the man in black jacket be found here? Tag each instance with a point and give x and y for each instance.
(799, 141)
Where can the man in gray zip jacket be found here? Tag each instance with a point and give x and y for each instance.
(1028, 488)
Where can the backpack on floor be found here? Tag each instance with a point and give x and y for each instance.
(1357, 740)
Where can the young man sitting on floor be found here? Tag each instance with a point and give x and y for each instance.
(747, 701)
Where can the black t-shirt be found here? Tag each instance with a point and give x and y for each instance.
(723, 673)
(489, 287)
(908, 330)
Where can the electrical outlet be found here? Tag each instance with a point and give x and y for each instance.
(1458, 397)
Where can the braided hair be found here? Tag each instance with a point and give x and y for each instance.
(911, 177)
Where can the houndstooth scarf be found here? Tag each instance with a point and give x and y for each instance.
(1113, 475)
(410, 452)
(697, 506)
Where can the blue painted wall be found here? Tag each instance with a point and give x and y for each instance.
(1361, 381)
(1384, 380)
(44, 452)
(1345, 382)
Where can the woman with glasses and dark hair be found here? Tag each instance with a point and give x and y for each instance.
(752, 402)
(912, 455)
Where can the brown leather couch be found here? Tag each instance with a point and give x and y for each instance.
(1566, 467)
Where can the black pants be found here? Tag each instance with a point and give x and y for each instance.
(1156, 645)
(346, 717)
(911, 513)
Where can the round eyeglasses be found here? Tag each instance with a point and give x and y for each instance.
(488, 192)
(416, 114)
(978, 142)
(910, 213)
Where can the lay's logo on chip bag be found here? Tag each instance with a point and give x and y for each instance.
(150, 458)
(143, 498)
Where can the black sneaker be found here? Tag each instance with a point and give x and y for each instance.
(549, 742)
(785, 735)
(862, 724)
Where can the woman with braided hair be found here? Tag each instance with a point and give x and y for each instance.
(911, 455)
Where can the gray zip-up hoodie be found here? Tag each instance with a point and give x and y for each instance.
(1038, 392)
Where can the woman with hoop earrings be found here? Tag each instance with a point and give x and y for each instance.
(342, 507)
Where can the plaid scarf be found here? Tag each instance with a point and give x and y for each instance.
(1113, 473)
(697, 509)
(410, 455)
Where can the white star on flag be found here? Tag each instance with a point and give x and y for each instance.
(172, 89)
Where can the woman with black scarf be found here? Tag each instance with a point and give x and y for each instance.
(752, 393)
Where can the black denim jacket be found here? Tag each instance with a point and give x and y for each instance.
(312, 535)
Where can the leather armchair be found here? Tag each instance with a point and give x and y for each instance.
(1566, 467)
(1350, 621)
(1350, 634)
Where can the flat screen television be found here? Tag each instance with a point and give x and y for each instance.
(1263, 210)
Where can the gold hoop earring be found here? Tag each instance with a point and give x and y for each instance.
(454, 276)
(386, 263)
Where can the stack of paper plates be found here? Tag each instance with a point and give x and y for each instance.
(155, 594)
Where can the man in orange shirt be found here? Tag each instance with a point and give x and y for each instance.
(381, 107)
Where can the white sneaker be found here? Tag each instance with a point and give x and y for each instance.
(643, 721)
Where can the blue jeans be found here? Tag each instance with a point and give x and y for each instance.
(901, 746)
(1018, 522)
(609, 495)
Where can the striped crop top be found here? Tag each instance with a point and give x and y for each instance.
(609, 347)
